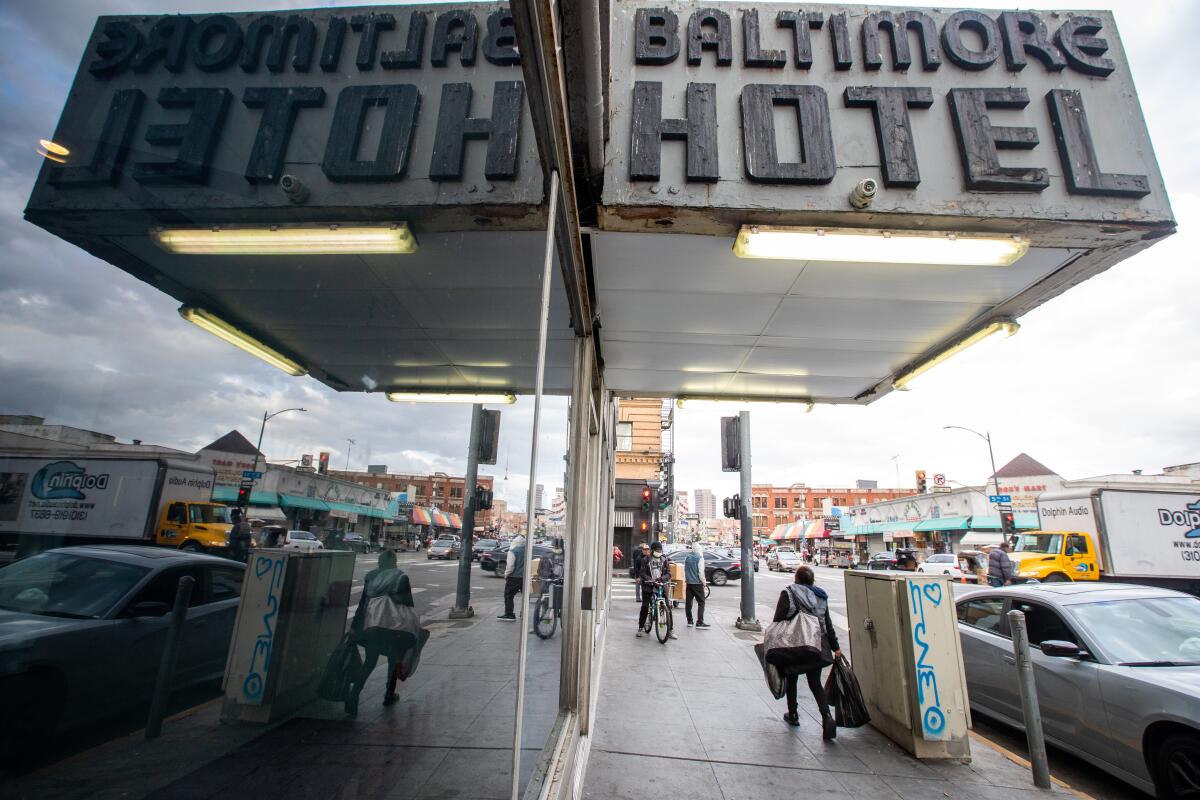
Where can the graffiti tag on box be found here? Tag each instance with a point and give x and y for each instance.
(268, 574)
(933, 718)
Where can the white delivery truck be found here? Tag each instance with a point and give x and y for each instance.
(54, 500)
(1129, 535)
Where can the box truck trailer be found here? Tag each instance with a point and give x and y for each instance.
(1129, 535)
(51, 501)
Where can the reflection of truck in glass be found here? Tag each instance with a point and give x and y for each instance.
(1133, 536)
(51, 501)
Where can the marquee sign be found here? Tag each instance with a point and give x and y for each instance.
(368, 112)
(968, 114)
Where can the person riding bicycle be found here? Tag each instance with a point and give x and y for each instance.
(655, 571)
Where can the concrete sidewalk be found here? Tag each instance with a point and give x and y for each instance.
(450, 735)
(694, 719)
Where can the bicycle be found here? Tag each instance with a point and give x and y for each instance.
(660, 619)
(549, 608)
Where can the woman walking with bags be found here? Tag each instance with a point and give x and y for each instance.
(818, 647)
(386, 624)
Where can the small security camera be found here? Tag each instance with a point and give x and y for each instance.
(863, 193)
(293, 188)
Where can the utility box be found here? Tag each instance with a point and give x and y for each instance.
(292, 614)
(907, 656)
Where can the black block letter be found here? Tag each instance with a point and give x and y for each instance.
(698, 129)
(817, 164)
(455, 126)
(979, 141)
(889, 106)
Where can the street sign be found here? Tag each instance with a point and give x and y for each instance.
(1003, 507)
(251, 474)
(999, 498)
(939, 479)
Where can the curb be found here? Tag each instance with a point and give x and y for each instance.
(1024, 762)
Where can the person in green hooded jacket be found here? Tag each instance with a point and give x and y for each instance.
(393, 643)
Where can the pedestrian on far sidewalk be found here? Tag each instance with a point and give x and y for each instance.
(514, 576)
(804, 596)
(640, 554)
(693, 576)
(1000, 566)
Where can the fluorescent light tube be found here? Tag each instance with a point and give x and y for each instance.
(493, 398)
(223, 330)
(278, 240)
(879, 246)
(1006, 326)
(686, 401)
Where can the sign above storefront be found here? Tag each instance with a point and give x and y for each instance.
(324, 115)
(781, 113)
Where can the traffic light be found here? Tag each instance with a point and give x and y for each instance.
(243, 499)
(732, 507)
(920, 481)
(645, 526)
(483, 498)
(646, 495)
(323, 463)
(1008, 523)
(664, 498)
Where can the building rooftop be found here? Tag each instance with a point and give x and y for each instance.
(1023, 465)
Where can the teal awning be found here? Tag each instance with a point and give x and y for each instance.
(944, 524)
(295, 501)
(355, 508)
(1027, 521)
(870, 528)
(229, 494)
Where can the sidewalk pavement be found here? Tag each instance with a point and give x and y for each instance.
(450, 735)
(694, 719)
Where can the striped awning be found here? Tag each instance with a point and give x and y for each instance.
(455, 521)
(440, 518)
(420, 516)
(815, 530)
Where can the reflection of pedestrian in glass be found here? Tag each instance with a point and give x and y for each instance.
(514, 576)
(239, 536)
(386, 625)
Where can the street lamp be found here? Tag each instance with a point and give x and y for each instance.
(987, 437)
(348, 448)
(263, 427)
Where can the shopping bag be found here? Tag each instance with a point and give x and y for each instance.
(408, 662)
(775, 680)
(341, 670)
(845, 696)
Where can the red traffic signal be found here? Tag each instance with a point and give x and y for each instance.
(646, 496)
(243, 498)
(1008, 524)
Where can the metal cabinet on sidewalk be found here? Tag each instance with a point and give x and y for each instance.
(908, 659)
(292, 614)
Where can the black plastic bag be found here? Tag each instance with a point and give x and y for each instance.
(844, 695)
(341, 670)
(775, 680)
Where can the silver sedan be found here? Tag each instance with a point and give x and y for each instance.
(1117, 670)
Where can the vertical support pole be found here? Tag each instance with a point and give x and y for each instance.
(462, 601)
(747, 620)
(166, 666)
(1029, 701)
(539, 378)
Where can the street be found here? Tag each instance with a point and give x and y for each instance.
(723, 609)
(433, 582)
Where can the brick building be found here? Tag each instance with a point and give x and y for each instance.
(438, 490)
(776, 505)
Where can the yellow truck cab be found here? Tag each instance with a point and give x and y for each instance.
(1055, 556)
(199, 526)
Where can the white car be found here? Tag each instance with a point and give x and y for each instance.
(301, 540)
(942, 564)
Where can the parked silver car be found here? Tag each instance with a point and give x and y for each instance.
(1117, 670)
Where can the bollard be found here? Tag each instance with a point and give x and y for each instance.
(162, 686)
(1029, 701)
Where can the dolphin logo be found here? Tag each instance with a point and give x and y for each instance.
(58, 481)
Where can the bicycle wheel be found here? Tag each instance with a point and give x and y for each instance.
(662, 620)
(649, 624)
(546, 621)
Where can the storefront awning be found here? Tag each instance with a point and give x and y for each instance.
(420, 516)
(440, 518)
(229, 494)
(981, 538)
(944, 524)
(295, 501)
(455, 520)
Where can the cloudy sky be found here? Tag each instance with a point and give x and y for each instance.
(1103, 379)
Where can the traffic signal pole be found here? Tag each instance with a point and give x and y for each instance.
(747, 621)
(462, 601)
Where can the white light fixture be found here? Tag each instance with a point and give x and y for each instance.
(879, 246)
(288, 240)
(1006, 326)
(222, 329)
(797, 404)
(493, 398)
